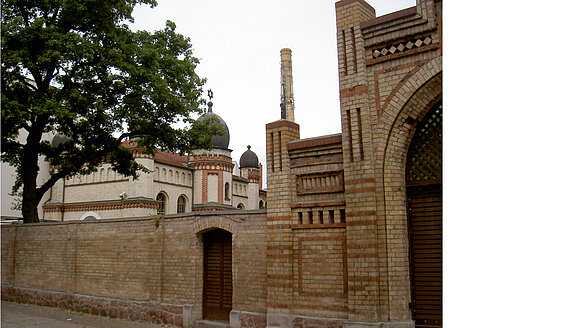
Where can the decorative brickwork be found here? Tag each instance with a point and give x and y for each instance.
(320, 183)
(400, 46)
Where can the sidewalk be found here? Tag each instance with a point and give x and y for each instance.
(15, 315)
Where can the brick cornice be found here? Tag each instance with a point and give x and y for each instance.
(222, 163)
(314, 142)
(322, 203)
(390, 17)
(282, 123)
(101, 206)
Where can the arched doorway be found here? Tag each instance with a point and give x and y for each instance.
(217, 275)
(424, 205)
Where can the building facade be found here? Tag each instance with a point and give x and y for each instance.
(203, 180)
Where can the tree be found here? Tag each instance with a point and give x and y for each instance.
(74, 68)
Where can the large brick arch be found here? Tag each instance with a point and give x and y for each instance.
(206, 223)
(395, 131)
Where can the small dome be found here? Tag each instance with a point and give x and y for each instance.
(249, 159)
(223, 141)
(59, 139)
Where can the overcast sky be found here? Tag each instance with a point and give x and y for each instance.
(239, 42)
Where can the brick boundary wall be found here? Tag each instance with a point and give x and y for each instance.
(142, 269)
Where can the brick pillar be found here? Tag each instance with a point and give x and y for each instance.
(279, 217)
(359, 173)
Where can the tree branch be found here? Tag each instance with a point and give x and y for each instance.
(50, 182)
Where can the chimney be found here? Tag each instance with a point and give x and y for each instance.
(286, 87)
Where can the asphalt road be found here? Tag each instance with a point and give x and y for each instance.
(15, 315)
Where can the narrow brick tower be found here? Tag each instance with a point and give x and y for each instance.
(286, 88)
(280, 182)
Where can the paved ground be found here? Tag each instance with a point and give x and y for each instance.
(15, 315)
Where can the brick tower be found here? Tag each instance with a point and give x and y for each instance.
(279, 216)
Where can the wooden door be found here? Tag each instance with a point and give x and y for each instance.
(217, 275)
(423, 178)
(426, 254)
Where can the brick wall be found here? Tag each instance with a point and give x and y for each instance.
(143, 269)
(359, 172)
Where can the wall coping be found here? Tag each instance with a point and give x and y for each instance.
(390, 17)
(193, 215)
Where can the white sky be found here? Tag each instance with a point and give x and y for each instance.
(239, 42)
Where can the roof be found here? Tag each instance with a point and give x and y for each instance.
(162, 156)
(167, 157)
(238, 178)
(249, 159)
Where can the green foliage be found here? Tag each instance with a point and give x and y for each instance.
(74, 68)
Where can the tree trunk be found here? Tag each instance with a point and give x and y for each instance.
(29, 172)
(30, 209)
(30, 198)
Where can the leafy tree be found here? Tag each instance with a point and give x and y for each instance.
(74, 68)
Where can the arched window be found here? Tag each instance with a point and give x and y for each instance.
(241, 206)
(181, 204)
(90, 216)
(162, 199)
(227, 191)
(261, 204)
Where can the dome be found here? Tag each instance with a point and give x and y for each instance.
(223, 141)
(249, 159)
(59, 139)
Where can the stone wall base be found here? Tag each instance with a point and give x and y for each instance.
(280, 320)
(244, 319)
(178, 315)
(107, 307)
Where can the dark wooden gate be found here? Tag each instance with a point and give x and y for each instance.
(424, 192)
(217, 275)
